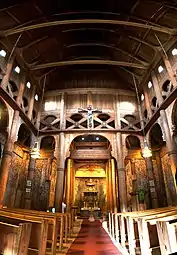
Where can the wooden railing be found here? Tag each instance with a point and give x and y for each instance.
(144, 232)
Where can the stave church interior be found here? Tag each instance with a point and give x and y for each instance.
(88, 127)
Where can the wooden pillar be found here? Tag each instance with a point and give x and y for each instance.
(108, 187)
(8, 150)
(134, 187)
(120, 160)
(111, 201)
(31, 103)
(121, 175)
(30, 177)
(60, 173)
(147, 103)
(32, 162)
(6, 77)
(170, 71)
(162, 202)
(151, 183)
(114, 197)
(62, 111)
(172, 151)
(68, 184)
(72, 181)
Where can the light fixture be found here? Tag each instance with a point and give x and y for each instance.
(28, 85)
(36, 97)
(160, 69)
(2, 53)
(97, 138)
(83, 138)
(145, 151)
(35, 151)
(174, 52)
(142, 97)
(149, 84)
(17, 69)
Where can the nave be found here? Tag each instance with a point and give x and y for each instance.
(92, 239)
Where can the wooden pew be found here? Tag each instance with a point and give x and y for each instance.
(14, 238)
(39, 230)
(133, 228)
(59, 225)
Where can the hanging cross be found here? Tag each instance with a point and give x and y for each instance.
(89, 111)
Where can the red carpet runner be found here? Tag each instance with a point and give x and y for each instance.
(92, 240)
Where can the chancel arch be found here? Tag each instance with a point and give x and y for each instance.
(90, 170)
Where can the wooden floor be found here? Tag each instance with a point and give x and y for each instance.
(92, 240)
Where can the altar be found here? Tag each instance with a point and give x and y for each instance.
(90, 205)
(86, 212)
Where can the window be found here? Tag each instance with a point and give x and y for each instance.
(28, 85)
(174, 52)
(149, 84)
(142, 97)
(160, 69)
(2, 53)
(50, 106)
(127, 106)
(17, 69)
(36, 97)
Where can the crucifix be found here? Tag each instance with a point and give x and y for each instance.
(89, 111)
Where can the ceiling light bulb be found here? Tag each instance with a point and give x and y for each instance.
(149, 84)
(36, 97)
(2, 53)
(17, 69)
(142, 97)
(28, 85)
(174, 52)
(160, 69)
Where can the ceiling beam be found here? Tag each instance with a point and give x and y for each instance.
(33, 42)
(155, 48)
(87, 62)
(111, 47)
(15, 30)
(121, 33)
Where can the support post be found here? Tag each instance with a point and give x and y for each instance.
(60, 173)
(151, 183)
(172, 150)
(31, 103)
(8, 150)
(121, 175)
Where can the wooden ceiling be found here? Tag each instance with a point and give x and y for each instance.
(63, 38)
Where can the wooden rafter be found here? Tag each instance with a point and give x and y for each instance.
(86, 62)
(108, 46)
(15, 30)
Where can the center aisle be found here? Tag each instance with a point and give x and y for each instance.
(92, 240)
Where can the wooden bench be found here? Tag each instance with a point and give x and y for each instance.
(14, 238)
(39, 229)
(59, 225)
(133, 230)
